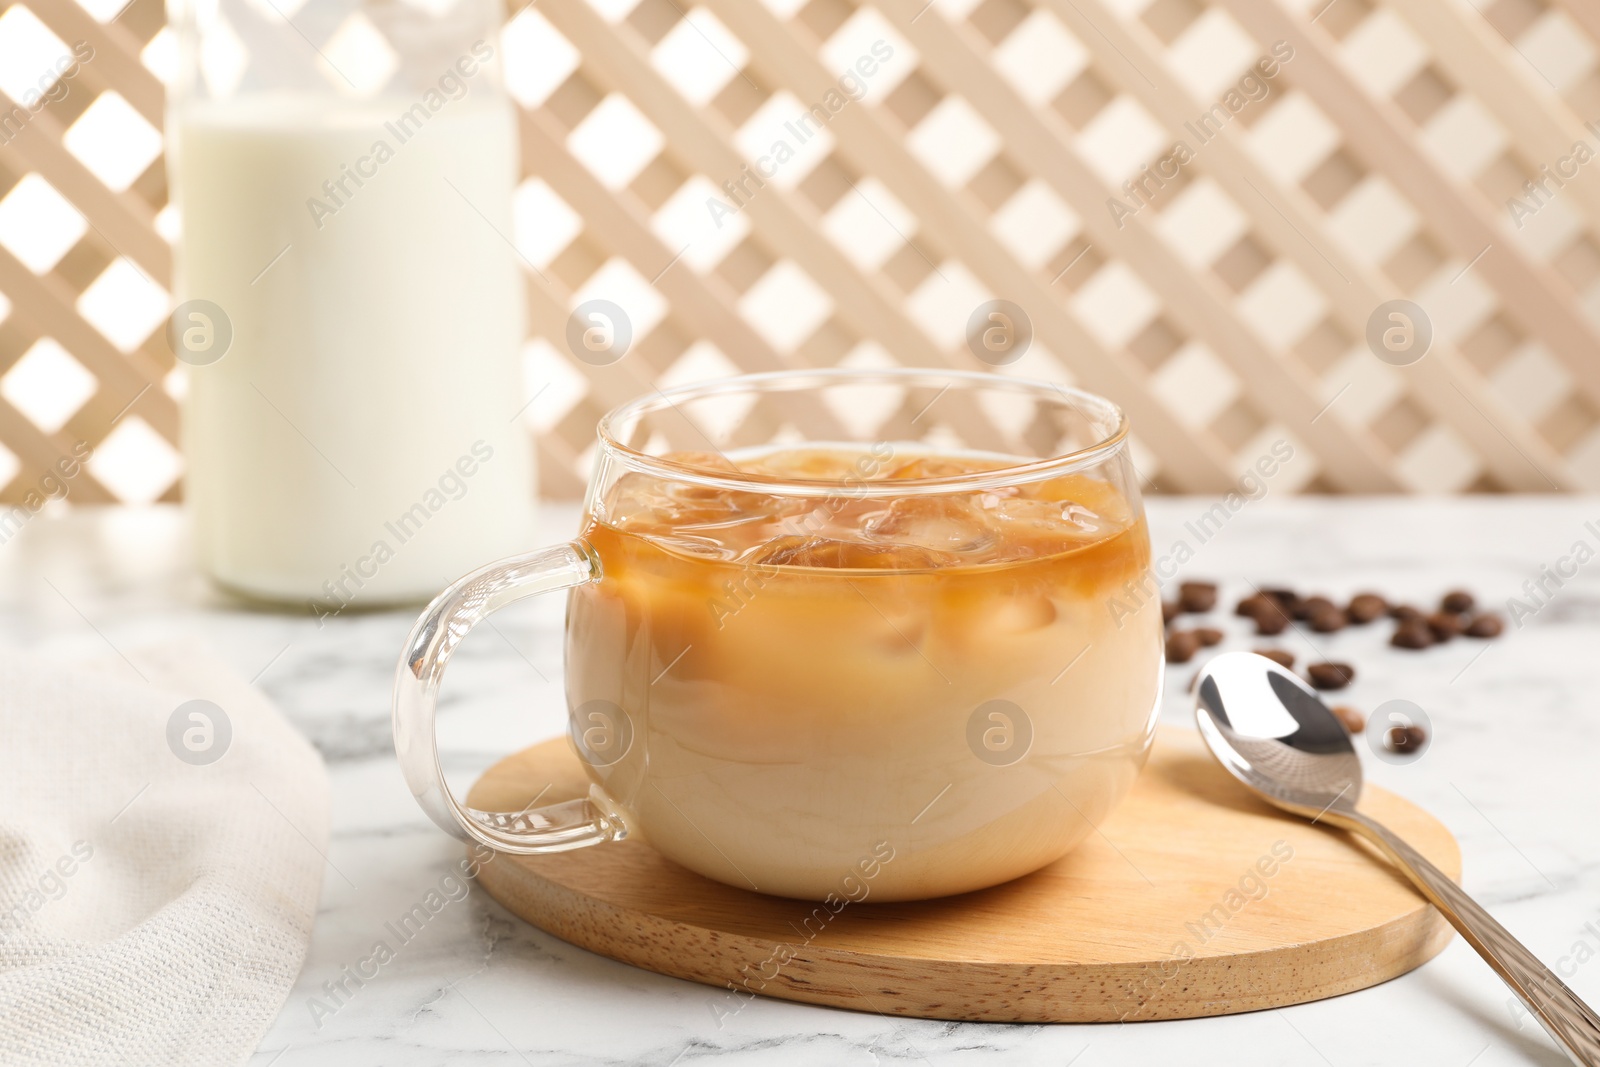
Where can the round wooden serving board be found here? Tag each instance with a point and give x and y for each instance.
(1165, 913)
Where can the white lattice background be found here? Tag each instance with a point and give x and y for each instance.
(1229, 312)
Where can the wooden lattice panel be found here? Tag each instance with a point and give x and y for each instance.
(992, 151)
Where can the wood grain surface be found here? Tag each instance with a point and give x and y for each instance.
(1193, 899)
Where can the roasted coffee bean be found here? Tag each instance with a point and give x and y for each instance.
(1330, 675)
(1208, 636)
(1328, 620)
(1364, 607)
(1413, 634)
(1281, 657)
(1457, 602)
(1269, 615)
(1404, 613)
(1353, 720)
(1444, 625)
(1253, 604)
(1405, 740)
(1271, 621)
(1197, 598)
(1169, 610)
(1285, 597)
(1181, 646)
(1485, 625)
(1311, 605)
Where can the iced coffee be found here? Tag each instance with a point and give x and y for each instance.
(793, 684)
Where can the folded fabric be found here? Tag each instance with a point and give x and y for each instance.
(163, 833)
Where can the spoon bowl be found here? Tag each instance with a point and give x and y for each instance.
(1272, 731)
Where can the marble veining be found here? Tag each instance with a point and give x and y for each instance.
(1514, 771)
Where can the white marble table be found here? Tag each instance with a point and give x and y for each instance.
(1514, 770)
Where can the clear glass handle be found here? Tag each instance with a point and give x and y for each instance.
(451, 616)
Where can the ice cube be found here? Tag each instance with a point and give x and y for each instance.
(804, 551)
(940, 523)
(641, 501)
(939, 467)
(689, 544)
(1062, 516)
(815, 464)
(634, 499)
(1098, 496)
(1029, 528)
(1017, 612)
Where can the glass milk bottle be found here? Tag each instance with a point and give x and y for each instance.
(349, 301)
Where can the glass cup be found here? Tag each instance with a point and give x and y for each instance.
(835, 625)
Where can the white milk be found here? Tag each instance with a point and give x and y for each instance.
(359, 441)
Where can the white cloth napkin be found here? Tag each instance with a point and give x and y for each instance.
(154, 908)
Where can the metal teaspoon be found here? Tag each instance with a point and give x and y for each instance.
(1274, 734)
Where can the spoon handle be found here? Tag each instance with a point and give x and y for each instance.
(1568, 1019)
